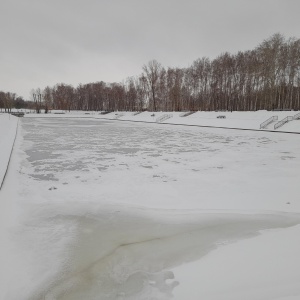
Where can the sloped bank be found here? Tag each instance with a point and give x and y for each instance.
(237, 120)
(8, 132)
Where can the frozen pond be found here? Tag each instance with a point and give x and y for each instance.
(80, 146)
(162, 165)
(110, 208)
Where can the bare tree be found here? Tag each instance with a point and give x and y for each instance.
(267, 77)
(152, 72)
(47, 95)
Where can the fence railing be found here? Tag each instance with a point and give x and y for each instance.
(164, 117)
(136, 113)
(296, 117)
(283, 121)
(119, 115)
(186, 113)
(267, 122)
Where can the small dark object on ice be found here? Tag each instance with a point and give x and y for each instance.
(52, 188)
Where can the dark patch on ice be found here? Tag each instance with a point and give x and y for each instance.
(44, 177)
(154, 155)
(287, 157)
(123, 164)
(34, 155)
(102, 168)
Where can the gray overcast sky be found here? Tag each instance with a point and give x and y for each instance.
(44, 42)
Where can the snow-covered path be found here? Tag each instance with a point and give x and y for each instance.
(106, 210)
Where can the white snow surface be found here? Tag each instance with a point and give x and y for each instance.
(100, 209)
(8, 126)
(235, 119)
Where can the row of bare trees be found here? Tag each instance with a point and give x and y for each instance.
(10, 100)
(267, 77)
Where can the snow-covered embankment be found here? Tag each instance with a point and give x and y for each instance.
(8, 129)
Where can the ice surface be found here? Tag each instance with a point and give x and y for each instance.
(95, 209)
(263, 267)
(163, 166)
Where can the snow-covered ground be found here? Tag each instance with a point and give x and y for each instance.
(243, 120)
(99, 209)
(8, 127)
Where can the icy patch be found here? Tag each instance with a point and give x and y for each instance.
(113, 252)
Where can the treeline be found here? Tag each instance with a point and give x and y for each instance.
(267, 77)
(11, 100)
